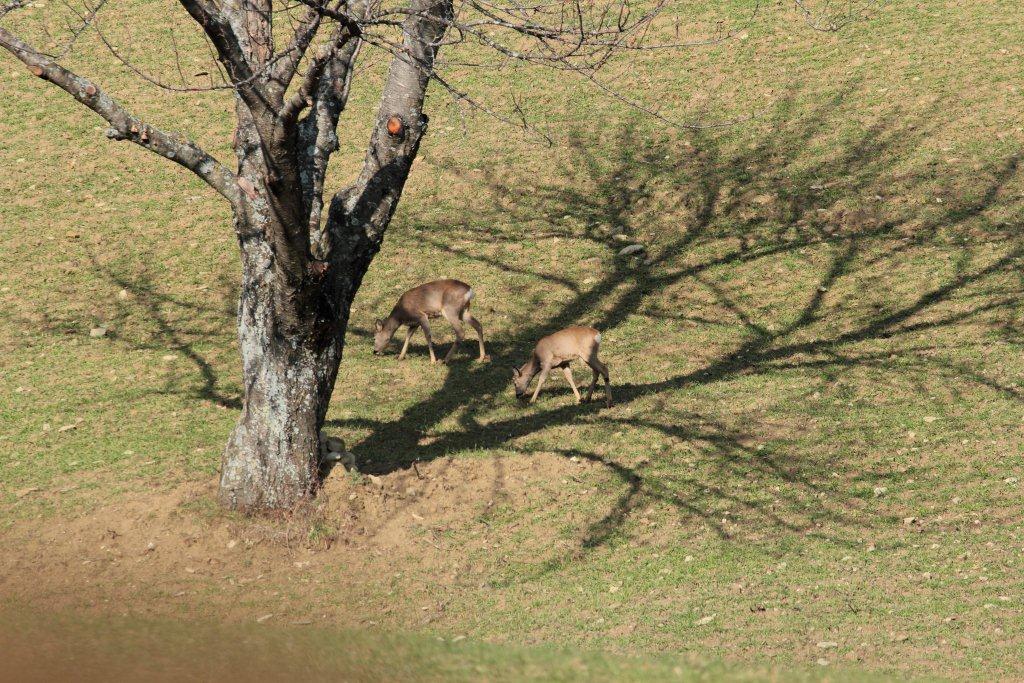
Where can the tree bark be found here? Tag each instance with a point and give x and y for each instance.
(289, 366)
(271, 459)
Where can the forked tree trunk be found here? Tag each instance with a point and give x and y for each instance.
(291, 333)
(271, 458)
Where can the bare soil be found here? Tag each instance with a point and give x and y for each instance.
(365, 541)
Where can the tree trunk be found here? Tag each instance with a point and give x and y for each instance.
(294, 308)
(272, 457)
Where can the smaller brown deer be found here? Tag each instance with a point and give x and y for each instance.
(415, 308)
(558, 350)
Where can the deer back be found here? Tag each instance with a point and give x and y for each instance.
(431, 298)
(567, 344)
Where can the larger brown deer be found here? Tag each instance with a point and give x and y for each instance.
(558, 350)
(415, 308)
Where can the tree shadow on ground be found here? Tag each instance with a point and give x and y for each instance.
(702, 206)
(143, 317)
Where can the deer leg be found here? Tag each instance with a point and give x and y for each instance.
(601, 368)
(593, 380)
(408, 335)
(475, 324)
(425, 324)
(540, 381)
(590, 389)
(572, 383)
(460, 334)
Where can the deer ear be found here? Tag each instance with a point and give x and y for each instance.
(515, 372)
(378, 324)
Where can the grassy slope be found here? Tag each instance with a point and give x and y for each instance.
(826, 345)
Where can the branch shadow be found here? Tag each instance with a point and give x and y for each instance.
(700, 205)
(143, 317)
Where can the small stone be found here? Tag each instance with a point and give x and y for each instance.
(1010, 480)
(631, 249)
(880, 490)
(375, 480)
(930, 418)
(232, 543)
(822, 661)
(703, 621)
(334, 444)
(123, 294)
(169, 357)
(828, 644)
(614, 589)
(97, 332)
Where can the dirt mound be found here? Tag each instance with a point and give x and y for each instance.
(364, 541)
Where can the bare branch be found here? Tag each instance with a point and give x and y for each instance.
(317, 131)
(825, 19)
(350, 21)
(10, 6)
(304, 96)
(124, 126)
(398, 52)
(371, 200)
(288, 61)
(232, 55)
(86, 20)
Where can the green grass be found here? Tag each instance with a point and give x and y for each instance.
(827, 343)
